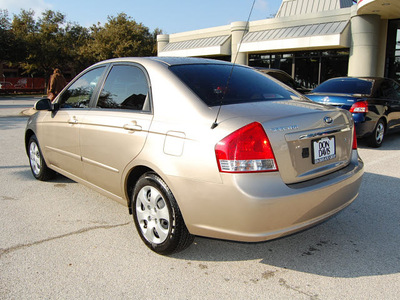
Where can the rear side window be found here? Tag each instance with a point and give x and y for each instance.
(126, 87)
(214, 85)
(345, 86)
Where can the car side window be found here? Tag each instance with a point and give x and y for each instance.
(79, 93)
(396, 87)
(126, 87)
(388, 90)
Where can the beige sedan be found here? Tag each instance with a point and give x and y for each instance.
(198, 147)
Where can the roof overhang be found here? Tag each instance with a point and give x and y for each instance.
(312, 36)
(211, 46)
(387, 9)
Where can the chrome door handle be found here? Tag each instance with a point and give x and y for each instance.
(73, 120)
(132, 127)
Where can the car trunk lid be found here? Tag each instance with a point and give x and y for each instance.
(344, 101)
(308, 140)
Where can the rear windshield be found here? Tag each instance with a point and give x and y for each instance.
(345, 86)
(212, 84)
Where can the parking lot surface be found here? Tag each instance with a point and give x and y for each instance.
(61, 240)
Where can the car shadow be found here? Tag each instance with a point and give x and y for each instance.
(363, 240)
(24, 173)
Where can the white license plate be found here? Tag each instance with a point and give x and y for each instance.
(324, 149)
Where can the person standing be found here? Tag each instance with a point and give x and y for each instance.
(57, 83)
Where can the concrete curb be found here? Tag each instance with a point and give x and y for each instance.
(28, 112)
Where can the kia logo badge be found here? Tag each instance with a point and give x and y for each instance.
(328, 120)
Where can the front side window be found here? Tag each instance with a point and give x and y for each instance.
(222, 84)
(396, 87)
(390, 90)
(126, 87)
(79, 93)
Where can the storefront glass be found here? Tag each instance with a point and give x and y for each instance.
(308, 68)
(392, 68)
(334, 64)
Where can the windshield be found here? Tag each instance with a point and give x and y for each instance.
(345, 86)
(210, 82)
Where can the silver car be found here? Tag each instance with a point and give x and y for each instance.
(198, 147)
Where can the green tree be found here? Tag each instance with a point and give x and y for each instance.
(39, 45)
(5, 35)
(75, 38)
(121, 36)
(10, 49)
(42, 39)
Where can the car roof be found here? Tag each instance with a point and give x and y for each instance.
(360, 78)
(271, 70)
(169, 61)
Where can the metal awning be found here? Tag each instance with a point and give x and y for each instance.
(330, 34)
(217, 45)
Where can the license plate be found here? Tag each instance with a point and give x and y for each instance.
(324, 149)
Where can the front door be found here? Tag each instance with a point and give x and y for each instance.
(61, 132)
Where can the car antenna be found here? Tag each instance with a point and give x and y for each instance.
(215, 124)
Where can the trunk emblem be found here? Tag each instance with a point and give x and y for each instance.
(328, 120)
(285, 128)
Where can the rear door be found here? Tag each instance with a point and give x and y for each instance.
(390, 96)
(115, 130)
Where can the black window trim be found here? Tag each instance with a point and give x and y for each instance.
(95, 91)
(95, 99)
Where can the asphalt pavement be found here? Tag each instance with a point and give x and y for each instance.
(61, 240)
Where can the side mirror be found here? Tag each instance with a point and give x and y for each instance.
(44, 104)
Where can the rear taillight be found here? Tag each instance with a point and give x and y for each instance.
(246, 150)
(354, 139)
(359, 107)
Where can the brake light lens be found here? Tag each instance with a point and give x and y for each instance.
(359, 107)
(354, 139)
(246, 150)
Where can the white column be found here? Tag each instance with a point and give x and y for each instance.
(382, 48)
(365, 49)
(162, 42)
(238, 30)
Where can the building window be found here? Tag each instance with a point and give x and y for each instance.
(334, 64)
(392, 69)
(308, 68)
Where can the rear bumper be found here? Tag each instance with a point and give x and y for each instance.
(259, 207)
(364, 127)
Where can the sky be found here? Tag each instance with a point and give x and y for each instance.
(171, 16)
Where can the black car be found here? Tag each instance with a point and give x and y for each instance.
(284, 77)
(373, 101)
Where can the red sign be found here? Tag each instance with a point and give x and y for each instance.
(16, 84)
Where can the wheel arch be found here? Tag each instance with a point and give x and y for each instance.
(28, 134)
(385, 123)
(131, 181)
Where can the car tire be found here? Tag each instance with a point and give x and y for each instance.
(376, 139)
(157, 216)
(36, 161)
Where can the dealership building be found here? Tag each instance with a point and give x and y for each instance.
(312, 40)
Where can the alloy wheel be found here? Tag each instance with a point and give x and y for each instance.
(35, 158)
(152, 215)
(379, 133)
